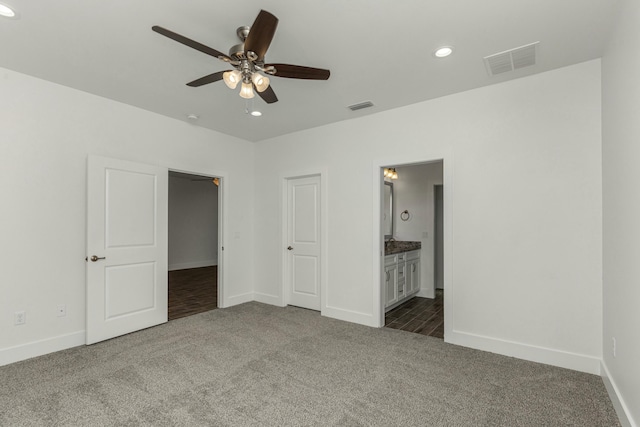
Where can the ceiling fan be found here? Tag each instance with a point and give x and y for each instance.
(247, 59)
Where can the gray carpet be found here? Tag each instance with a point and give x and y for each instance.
(258, 365)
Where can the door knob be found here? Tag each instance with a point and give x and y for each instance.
(95, 258)
(289, 248)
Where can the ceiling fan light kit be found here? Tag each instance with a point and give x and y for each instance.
(246, 91)
(260, 82)
(248, 60)
(232, 78)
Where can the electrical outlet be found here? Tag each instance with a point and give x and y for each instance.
(613, 346)
(19, 318)
(62, 310)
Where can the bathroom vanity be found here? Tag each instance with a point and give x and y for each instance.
(401, 272)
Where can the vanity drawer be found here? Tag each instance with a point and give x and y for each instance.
(412, 255)
(390, 260)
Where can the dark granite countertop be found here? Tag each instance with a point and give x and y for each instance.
(395, 247)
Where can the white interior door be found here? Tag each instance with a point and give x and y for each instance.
(127, 247)
(303, 237)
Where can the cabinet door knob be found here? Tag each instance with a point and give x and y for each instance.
(289, 248)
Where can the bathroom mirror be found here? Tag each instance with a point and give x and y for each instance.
(387, 212)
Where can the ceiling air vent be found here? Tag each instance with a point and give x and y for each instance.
(360, 106)
(512, 59)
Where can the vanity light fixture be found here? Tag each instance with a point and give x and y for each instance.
(443, 52)
(390, 173)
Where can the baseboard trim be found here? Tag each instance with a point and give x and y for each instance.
(616, 399)
(41, 347)
(195, 264)
(548, 356)
(348, 316)
(238, 299)
(268, 299)
(423, 293)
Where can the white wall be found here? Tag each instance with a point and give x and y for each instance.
(413, 191)
(193, 223)
(621, 205)
(524, 159)
(46, 135)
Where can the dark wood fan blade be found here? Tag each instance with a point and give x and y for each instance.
(207, 79)
(299, 72)
(268, 95)
(188, 42)
(261, 34)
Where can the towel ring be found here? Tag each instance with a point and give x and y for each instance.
(404, 215)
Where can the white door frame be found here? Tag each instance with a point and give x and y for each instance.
(378, 233)
(284, 180)
(222, 234)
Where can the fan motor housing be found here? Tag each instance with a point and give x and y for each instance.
(237, 52)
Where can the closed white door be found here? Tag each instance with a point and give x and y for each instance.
(127, 247)
(303, 237)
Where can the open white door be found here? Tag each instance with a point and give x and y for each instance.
(303, 236)
(127, 247)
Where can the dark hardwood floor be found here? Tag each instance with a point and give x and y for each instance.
(192, 291)
(420, 315)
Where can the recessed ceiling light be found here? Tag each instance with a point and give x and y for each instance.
(6, 11)
(256, 113)
(192, 117)
(443, 51)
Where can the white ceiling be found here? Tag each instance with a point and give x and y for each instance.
(377, 50)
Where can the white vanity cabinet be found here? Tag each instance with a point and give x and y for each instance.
(401, 277)
(390, 281)
(413, 272)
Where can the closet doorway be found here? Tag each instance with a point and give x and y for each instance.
(194, 206)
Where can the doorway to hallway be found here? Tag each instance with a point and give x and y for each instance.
(193, 244)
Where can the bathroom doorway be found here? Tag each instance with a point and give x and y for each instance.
(411, 263)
